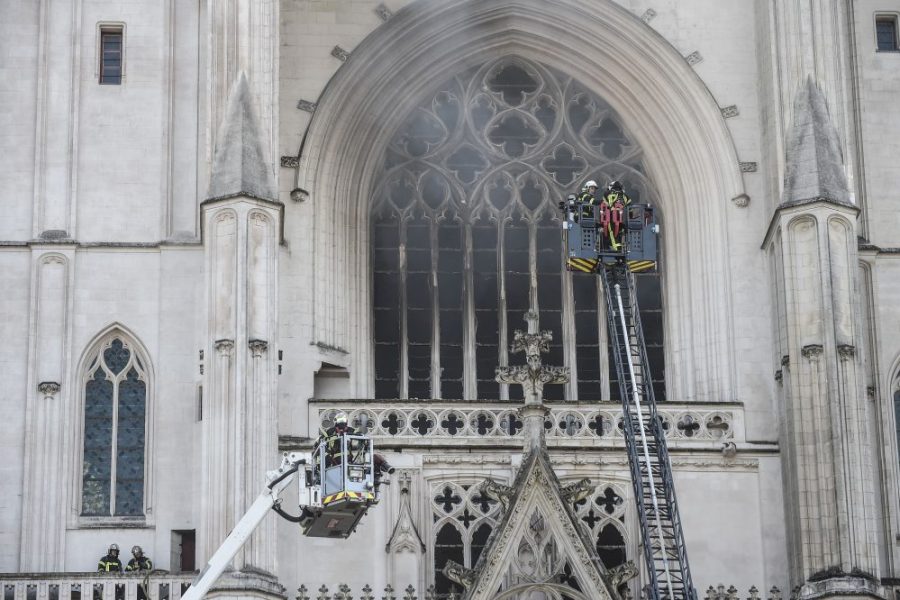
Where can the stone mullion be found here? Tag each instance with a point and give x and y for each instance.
(532, 268)
(470, 362)
(503, 343)
(602, 343)
(113, 463)
(569, 331)
(403, 375)
(436, 313)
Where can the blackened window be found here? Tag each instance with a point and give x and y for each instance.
(466, 235)
(111, 56)
(886, 33)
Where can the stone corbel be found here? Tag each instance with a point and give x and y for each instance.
(811, 351)
(225, 347)
(48, 388)
(258, 347)
(846, 351)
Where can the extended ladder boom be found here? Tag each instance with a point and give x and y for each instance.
(648, 457)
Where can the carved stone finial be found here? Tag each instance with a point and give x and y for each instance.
(648, 15)
(48, 388)
(458, 573)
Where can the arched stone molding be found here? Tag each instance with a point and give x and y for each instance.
(75, 437)
(668, 109)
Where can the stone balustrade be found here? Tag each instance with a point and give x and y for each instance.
(157, 585)
(343, 591)
(436, 422)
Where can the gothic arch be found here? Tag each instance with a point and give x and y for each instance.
(670, 112)
(139, 356)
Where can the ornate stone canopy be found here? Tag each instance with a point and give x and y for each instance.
(540, 545)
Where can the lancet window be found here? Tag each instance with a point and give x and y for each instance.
(463, 519)
(466, 235)
(115, 411)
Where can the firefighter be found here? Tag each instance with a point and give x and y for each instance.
(139, 562)
(614, 202)
(110, 563)
(588, 198)
(332, 439)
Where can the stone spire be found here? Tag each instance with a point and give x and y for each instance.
(239, 166)
(533, 376)
(814, 165)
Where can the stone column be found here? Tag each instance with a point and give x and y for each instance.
(47, 412)
(241, 235)
(829, 471)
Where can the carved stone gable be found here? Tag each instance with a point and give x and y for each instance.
(539, 545)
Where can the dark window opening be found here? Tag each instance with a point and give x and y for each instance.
(111, 56)
(886, 33)
(448, 546)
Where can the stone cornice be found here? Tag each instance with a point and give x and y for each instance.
(796, 205)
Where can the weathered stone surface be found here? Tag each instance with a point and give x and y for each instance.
(814, 167)
(240, 166)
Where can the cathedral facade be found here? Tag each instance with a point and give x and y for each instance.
(227, 221)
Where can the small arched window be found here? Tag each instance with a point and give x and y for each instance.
(115, 424)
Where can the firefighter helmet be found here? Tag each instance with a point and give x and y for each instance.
(590, 184)
(137, 550)
(113, 547)
(340, 419)
(614, 186)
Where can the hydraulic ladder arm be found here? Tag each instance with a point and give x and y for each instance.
(648, 456)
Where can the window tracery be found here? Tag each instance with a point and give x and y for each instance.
(466, 233)
(114, 440)
(463, 519)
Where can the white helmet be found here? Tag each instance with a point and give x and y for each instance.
(591, 184)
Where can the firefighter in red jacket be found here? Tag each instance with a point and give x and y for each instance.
(613, 218)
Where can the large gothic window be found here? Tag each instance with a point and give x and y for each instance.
(115, 408)
(466, 234)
